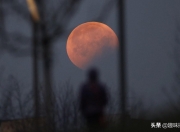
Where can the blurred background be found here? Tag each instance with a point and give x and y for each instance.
(38, 81)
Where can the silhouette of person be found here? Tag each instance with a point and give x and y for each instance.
(93, 99)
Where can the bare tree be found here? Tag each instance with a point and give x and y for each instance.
(52, 25)
(66, 103)
(14, 105)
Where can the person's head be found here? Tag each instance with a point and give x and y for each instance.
(93, 75)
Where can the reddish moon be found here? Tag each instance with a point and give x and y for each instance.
(89, 41)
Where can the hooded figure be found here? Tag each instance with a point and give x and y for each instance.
(93, 98)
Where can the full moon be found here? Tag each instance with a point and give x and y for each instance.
(90, 41)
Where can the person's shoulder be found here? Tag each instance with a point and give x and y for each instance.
(83, 86)
(102, 85)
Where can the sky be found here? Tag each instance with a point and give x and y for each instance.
(150, 29)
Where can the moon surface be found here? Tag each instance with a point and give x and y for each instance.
(90, 41)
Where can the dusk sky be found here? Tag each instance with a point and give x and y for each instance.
(151, 28)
